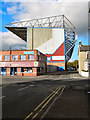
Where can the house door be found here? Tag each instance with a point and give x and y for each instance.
(13, 71)
(4, 71)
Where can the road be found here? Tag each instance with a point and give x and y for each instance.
(25, 100)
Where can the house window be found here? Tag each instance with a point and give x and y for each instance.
(6, 57)
(0, 57)
(27, 69)
(31, 57)
(23, 57)
(14, 57)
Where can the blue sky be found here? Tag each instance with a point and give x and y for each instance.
(16, 11)
(6, 17)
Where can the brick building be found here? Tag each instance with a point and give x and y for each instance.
(22, 63)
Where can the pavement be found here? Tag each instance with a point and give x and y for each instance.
(62, 75)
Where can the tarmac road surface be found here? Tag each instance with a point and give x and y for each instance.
(45, 99)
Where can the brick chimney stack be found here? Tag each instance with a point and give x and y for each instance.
(80, 43)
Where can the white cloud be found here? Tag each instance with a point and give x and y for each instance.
(1, 12)
(8, 39)
(77, 13)
(12, 10)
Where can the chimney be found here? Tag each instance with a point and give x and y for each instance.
(80, 43)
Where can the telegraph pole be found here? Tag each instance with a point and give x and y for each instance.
(32, 36)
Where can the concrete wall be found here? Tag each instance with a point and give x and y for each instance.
(85, 74)
(39, 36)
(46, 40)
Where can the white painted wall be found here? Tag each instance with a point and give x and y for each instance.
(86, 66)
(85, 74)
(50, 46)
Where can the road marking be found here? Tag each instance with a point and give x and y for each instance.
(23, 88)
(40, 110)
(28, 116)
(34, 116)
(52, 104)
(44, 100)
(2, 97)
(44, 103)
(51, 98)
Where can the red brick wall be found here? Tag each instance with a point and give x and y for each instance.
(28, 74)
(19, 72)
(19, 52)
(8, 71)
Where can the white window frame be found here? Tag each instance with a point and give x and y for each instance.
(27, 70)
(8, 56)
(31, 58)
(15, 57)
(23, 56)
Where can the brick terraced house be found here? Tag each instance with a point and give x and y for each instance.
(22, 63)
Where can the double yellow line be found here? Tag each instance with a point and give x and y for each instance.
(43, 104)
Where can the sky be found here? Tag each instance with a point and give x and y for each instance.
(17, 10)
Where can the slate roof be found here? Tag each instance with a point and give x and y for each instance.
(85, 48)
(87, 60)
